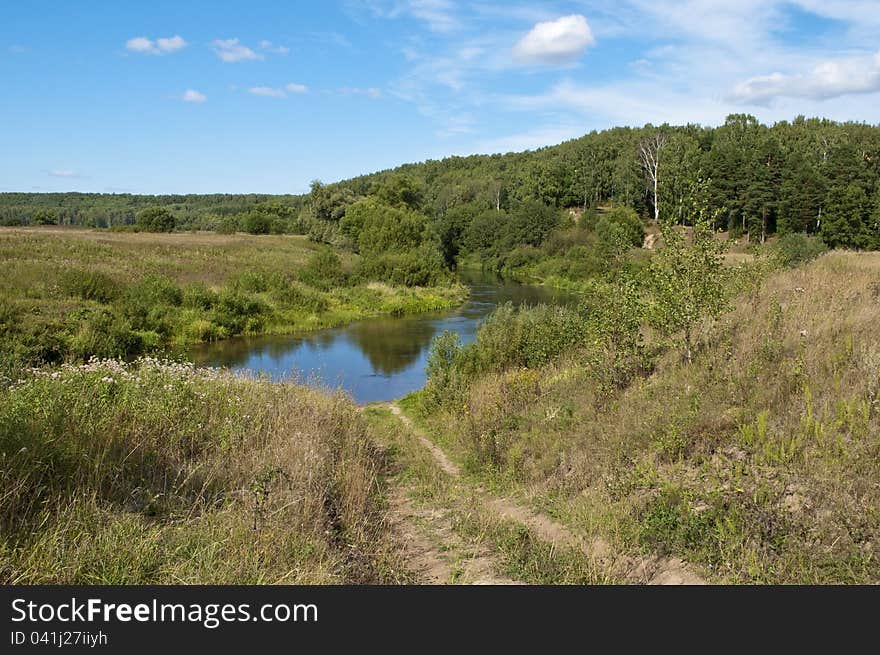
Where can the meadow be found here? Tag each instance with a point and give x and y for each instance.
(71, 294)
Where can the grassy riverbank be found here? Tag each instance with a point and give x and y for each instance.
(159, 473)
(69, 295)
(757, 460)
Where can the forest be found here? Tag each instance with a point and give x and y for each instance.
(813, 176)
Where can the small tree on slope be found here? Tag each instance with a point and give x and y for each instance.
(687, 278)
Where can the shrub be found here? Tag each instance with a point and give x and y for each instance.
(251, 282)
(629, 220)
(521, 257)
(199, 296)
(202, 330)
(149, 304)
(797, 248)
(414, 268)
(238, 313)
(509, 338)
(156, 219)
(256, 223)
(89, 285)
(103, 334)
(323, 270)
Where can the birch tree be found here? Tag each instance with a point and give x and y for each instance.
(649, 156)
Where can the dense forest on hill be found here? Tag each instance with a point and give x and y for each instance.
(809, 175)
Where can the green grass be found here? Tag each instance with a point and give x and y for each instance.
(159, 473)
(68, 295)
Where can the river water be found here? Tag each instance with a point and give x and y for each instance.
(376, 359)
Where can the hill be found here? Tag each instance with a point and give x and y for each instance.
(757, 461)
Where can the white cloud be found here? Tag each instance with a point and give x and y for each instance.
(828, 79)
(559, 41)
(170, 44)
(274, 92)
(161, 46)
(231, 50)
(266, 92)
(268, 46)
(191, 95)
(438, 14)
(140, 44)
(371, 92)
(64, 173)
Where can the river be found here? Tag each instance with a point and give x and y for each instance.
(376, 359)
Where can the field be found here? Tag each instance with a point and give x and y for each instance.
(69, 294)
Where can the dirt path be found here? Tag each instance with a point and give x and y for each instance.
(429, 543)
(433, 551)
(650, 570)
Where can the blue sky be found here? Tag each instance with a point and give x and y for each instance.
(201, 97)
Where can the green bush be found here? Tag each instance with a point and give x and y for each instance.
(523, 337)
(256, 223)
(150, 304)
(629, 220)
(323, 270)
(156, 219)
(89, 285)
(238, 313)
(104, 334)
(301, 298)
(414, 268)
(199, 296)
(797, 248)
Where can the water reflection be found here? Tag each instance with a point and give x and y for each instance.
(376, 359)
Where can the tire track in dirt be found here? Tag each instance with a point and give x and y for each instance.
(429, 544)
(653, 570)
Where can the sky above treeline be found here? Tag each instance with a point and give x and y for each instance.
(263, 97)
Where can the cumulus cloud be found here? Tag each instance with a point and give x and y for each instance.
(296, 88)
(555, 42)
(231, 50)
(191, 95)
(161, 46)
(828, 79)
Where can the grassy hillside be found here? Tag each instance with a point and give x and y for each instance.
(759, 460)
(72, 294)
(159, 473)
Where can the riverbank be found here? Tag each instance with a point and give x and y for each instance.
(160, 473)
(71, 294)
(755, 460)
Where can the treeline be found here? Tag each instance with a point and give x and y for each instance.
(808, 175)
(812, 176)
(215, 212)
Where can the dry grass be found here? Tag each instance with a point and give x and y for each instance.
(760, 460)
(159, 473)
(185, 258)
